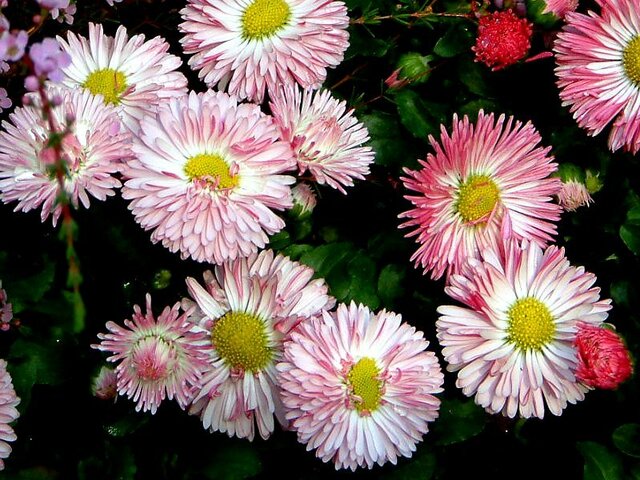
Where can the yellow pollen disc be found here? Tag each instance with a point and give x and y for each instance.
(263, 18)
(531, 324)
(631, 61)
(107, 82)
(241, 341)
(212, 168)
(364, 382)
(477, 198)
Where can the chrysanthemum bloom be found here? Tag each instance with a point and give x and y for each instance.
(246, 310)
(503, 39)
(598, 70)
(560, 7)
(134, 75)
(513, 347)
(94, 150)
(485, 181)
(8, 412)
(105, 384)
(304, 199)
(207, 176)
(158, 358)
(603, 359)
(249, 46)
(325, 137)
(359, 387)
(574, 195)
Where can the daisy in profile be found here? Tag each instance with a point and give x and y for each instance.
(94, 149)
(207, 176)
(484, 182)
(157, 358)
(513, 345)
(359, 387)
(326, 138)
(8, 412)
(248, 47)
(598, 70)
(133, 74)
(247, 307)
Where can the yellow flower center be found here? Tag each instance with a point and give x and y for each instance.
(531, 324)
(241, 341)
(364, 383)
(631, 61)
(477, 198)
(263, 18)
(107, 82)
(211, 168)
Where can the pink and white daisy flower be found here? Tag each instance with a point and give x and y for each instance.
(158, 358)
(94, 150)
(8, 412)
(133, 74)
(513, 346)
(598, 70)
(560, 7)
(359, 387)
(248, 47)
(485, 182)
(326, 138)
(247, 310)
(207, 176)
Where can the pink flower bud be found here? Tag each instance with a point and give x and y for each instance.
(31, 83)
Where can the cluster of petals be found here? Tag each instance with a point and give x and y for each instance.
(323, 404)
(489, 350)
(157, 358)
(503, 39)
(202, 217)
(312, 36)
(502, 154)
(105, 384)
(6, 310)
(279, 294)
(93, 148)
(598, 70)
(326, 139)
(560, 7)
(48, 61)
(8, 412)
(573, 195)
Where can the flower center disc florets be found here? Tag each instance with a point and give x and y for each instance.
(263, 18)
(211, 168)
(477, 198)
(365, 384)
(631, 61)
(107, 82)
(531, 325)
(241, 341)
(153, 358)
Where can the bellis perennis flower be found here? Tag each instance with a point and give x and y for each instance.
(8, 412)
(503, 39)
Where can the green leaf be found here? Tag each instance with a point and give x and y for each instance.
(422, 466)
(126, 426)
(363, 43)
(599, 462)
(325, 257)
(362, 270)
(413, 114)
(630, 230)
(385, 138)
(456, 40)
(459, 421)
(295, 251)
(234, 462)
(626, 438)
(390, 283)
(472, 75)
(28, 291)
(280, 240)
(620, 292)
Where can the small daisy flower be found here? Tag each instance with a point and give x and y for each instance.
(598, 70)
(94, 150)
(247, 309)
(133, 74)
(513, 343)
(208, 177)
(573, 195)
(503, 39)
(359, 387)
(304, 199)
(8, 412)
(105, 384)
(560, 7)
(326, 138)
(485, 182)
(248, 47)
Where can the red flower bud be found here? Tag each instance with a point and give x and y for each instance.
(503, 39)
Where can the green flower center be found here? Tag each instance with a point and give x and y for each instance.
(108, 82)
(477, 198)
(263, 18)
(631, 61)
(531, 324)
(211, 168)
(241, 341)
(364, 383)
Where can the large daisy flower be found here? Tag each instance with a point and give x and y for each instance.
(485, 182)
(359, 387)
(325, 137)
(247, 309)
(513, 346)
(249, 46)
(598, 70)
(133, 74)
(8, 412)
(207, 177)
(94, 150)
